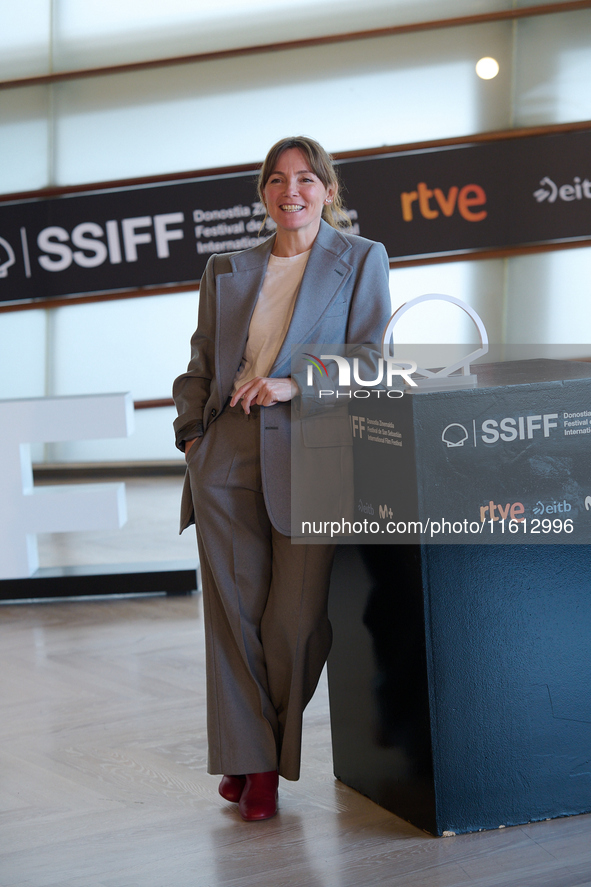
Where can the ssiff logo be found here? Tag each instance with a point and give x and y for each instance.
(454, 435)
(9, 259)
(508, 429)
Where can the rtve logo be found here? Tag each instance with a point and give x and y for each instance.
(428, 200)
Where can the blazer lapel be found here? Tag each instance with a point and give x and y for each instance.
(326, 271)
(237, 293)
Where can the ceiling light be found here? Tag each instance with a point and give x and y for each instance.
(487, 68)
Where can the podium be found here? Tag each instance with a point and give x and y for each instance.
(460, 674)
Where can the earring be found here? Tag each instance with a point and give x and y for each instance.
(328, 200)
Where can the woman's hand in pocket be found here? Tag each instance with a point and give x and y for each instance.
(188, 445)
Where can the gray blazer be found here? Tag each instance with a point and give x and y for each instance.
(343, 298)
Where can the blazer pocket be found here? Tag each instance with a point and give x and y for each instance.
(338, 309)
(327, 431)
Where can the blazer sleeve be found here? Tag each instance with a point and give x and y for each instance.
(191, 390)
(370, 307)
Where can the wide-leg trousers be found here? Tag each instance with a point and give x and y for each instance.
(267, 631)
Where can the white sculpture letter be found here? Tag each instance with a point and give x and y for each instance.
(26, 510)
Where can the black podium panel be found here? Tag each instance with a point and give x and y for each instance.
(460, 676)
(460, 681)
(505, 461)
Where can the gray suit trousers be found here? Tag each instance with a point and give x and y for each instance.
(265, 606)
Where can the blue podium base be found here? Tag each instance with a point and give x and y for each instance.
(460, 681)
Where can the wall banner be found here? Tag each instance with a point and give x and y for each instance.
(426, 203)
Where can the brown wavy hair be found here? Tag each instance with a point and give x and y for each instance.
(321, 164)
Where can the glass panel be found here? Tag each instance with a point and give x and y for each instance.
(524, 3)
(137, 345)
(548, 298)
(151, 441)
(24, 134)
(106, 32)
(25, 39)
(553, 69)
(22, 354)
(388, 91)
(433, 321)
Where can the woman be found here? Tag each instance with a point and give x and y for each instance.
(265, 600)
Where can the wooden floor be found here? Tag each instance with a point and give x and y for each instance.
(103, 782)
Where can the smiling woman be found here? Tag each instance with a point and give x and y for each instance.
(297, 186)
(316, 175)
(265, 600)
(295, 198)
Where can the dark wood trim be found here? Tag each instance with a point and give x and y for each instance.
(497, 135)
(436, 24)
(50, 472)
(64, 190)
(62, 302)
(490, 136)
(152, 404)
(501, 253)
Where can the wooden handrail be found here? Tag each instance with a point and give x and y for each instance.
(304, 43)
(152, 404)
(495, 135)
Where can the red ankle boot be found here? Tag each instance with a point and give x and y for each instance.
(231, 787)
(259, 798)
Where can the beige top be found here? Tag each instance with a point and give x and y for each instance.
(272, 315)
